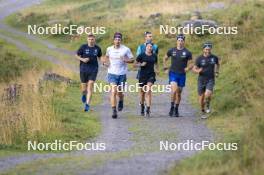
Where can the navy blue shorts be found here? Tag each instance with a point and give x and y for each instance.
(177, 78)
(116, 79)
(87, 76)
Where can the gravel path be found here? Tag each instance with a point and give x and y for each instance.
(132, 141)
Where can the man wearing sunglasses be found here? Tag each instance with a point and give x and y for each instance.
(207, 66)
(180, 65)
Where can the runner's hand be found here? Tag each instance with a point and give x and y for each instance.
(186, 69)
(143, 64)
(85, 60)
(166, 70)
(105, 64)
(125, 59)
(200, 70)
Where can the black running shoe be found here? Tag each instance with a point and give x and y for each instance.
(176, 113)
(148, 112)
(142, 112)
(114, 115)
(120, 105)
(171, 111)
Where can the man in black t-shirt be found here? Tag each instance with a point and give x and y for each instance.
(147, 61)
(88, 55)
(180, 64)
(207, 66)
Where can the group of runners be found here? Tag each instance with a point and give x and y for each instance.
(118, 56)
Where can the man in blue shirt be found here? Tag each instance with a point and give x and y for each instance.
(88, 54)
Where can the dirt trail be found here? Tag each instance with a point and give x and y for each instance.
(132, 134)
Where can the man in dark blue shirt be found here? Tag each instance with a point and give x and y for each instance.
(180, 64)
(88, 55)
(207, 66)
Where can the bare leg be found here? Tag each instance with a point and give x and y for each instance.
(208, 95)
(148, 94)
(113, 95)
(201, 101)
(89, 91)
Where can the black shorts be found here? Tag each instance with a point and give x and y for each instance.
(144, 80)
(204, 84)
(86, 76)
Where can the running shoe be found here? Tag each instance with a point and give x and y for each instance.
(86, 107)
(176, 114)
(114, 115)
(142, 112)
(203, 114)
(171, 111)
(120, 105)
(148, 112)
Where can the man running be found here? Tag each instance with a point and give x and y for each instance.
(180, 64)
(207, 66)
(148, 39)
(142, 49)
(118, 56)
(147, 76)
(88, 55)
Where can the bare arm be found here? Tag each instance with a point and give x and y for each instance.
(189, 66)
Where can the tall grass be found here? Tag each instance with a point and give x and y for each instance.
(29, 115)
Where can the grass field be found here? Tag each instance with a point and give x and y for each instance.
(37, 114)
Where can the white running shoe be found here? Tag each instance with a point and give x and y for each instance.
(208, 110)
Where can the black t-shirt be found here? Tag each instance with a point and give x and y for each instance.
(208, 66)
(148, 69)
(179, 59)
(89, 52)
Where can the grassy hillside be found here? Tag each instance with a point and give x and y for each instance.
(14, 63)
(36, 113)
(238, 99)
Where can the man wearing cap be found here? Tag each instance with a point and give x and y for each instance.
(207, 66)
(118, 56)
(180, 64)
(141, 50)
(88, 54)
